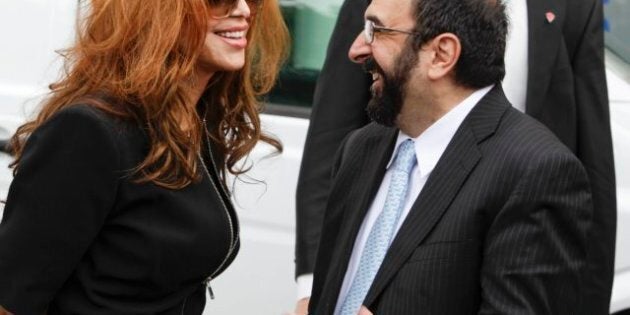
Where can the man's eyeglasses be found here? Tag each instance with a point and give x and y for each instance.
(222, 8)
(369, 29)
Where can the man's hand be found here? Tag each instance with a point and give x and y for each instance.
(364, 311)
(301, 308)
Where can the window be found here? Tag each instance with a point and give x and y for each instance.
(310, 23)
(617, 26)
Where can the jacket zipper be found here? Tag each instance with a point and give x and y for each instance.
(232, 245)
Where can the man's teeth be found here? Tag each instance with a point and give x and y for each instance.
(236, 35)
(375, 76)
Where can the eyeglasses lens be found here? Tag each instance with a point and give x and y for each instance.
(368, 31)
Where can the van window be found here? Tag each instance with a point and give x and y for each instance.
(310, 23)
(617, 26)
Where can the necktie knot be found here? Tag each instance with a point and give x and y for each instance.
(405, 157)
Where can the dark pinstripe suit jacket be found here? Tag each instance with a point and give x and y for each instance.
(499, 227)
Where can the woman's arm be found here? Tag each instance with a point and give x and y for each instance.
(64, 188)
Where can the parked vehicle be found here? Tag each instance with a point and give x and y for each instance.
(261, 279)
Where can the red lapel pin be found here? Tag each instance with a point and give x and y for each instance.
(550, 17)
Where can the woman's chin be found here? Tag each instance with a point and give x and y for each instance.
(233, 67)
(230, 64)
(223, 66)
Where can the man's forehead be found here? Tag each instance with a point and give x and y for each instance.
(388, 12)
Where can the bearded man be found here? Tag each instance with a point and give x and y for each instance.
(554, 72)
(451, 201)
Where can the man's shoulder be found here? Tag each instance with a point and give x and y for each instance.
(519, 135)
(371, 134)
(375, 130)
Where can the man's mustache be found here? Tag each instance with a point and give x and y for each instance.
(370, 65)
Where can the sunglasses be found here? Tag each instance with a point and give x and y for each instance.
(222, 8)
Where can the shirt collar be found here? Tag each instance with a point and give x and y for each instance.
(432, 143)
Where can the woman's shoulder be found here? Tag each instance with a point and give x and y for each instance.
(82, 112)
(85, 110)
(87, 126)
(90, 118)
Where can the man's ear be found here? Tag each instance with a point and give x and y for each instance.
(445, 50)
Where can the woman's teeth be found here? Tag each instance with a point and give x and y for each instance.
(235, 35)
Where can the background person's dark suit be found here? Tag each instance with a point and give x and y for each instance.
(566, 92)
(499, 227)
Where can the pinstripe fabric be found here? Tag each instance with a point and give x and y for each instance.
(498, 229)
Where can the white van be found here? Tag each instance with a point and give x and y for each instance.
(261, 279)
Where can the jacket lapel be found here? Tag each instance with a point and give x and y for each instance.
(459, 159)
(545, 34)
(371, 165)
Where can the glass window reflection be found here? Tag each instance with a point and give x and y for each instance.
(617, 26)
(310, 23)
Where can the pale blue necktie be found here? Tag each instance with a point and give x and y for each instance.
(382, 232)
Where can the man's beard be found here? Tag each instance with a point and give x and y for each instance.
(385, 106)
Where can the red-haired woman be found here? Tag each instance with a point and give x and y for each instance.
(118, 205)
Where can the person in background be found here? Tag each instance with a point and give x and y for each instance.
(554, 72)
(451, 201)
(118, 204)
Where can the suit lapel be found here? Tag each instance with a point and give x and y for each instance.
(459, 159)
(544, 41)
(371, 164)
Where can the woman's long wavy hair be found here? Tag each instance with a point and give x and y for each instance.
(143, 55)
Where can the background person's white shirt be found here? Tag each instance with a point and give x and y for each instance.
(516, 54)
(514, 84)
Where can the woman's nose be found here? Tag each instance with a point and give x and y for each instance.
(241, 9)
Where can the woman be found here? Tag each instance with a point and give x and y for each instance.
(118, 205)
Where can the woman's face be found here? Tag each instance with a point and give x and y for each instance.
(226, 38)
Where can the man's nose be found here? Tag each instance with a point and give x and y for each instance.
(360, 50)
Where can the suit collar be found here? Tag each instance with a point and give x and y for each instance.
(484, 119)
(430, 145)
(459, 159)
(368, 170)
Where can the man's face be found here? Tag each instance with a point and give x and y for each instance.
(390, 88)
(388, 58)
